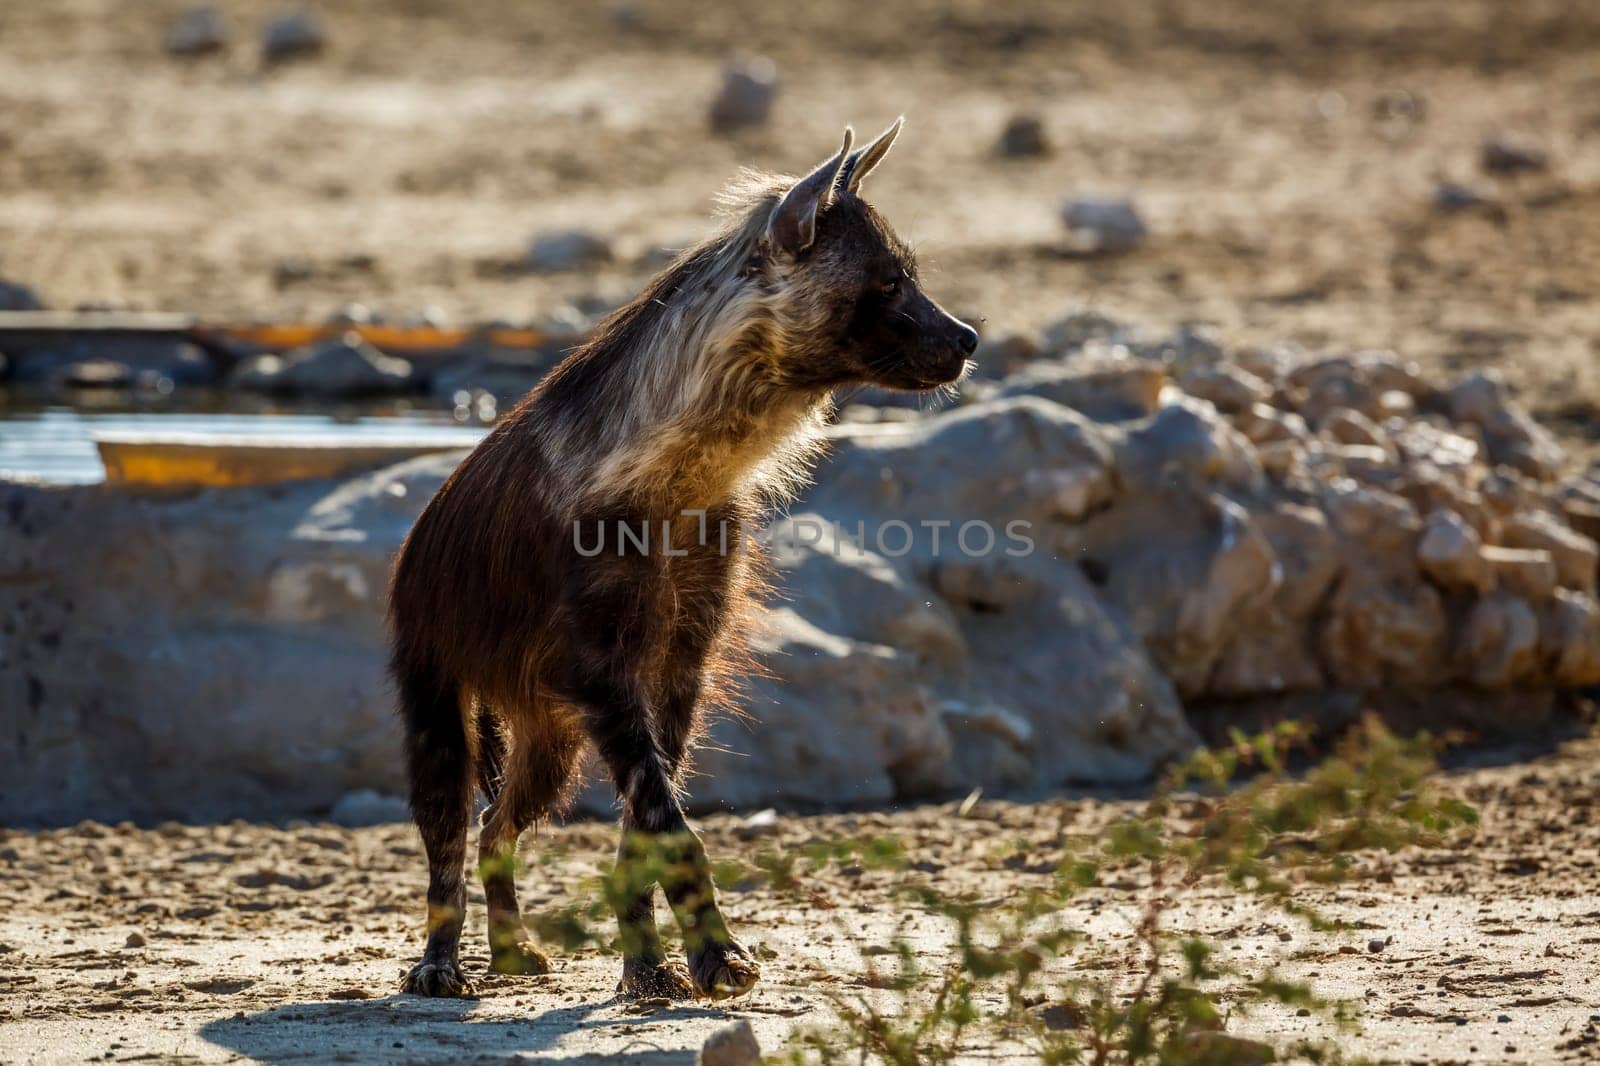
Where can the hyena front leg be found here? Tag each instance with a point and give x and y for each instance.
(718, 965)
(646, 972)
(653, 822)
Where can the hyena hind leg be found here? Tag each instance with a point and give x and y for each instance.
(525, 780)
(439, 759)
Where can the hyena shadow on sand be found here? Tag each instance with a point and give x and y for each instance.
(404, 1029)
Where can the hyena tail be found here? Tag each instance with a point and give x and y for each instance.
(440, 759)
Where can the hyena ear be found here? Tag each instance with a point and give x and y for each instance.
(792, 225)
(860, 164)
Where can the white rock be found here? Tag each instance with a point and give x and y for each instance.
(1103, 225)
(734, 1044)
(364, 807)
(197, 31)
(749, 89)
(1451, 553)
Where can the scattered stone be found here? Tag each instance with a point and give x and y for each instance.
(627, 17)
(988, 718)
(354, 314)
(503, 377)
(1422, 442)
(1184, 444)
(749, 88)
(1107, 389)
(1263, 424)
(1376, 945)
(734, 1044)
(1499, 644)
(1526, 572)
(1231, 389)
(1569, 639)
(1102, 226)
(345, 366)
(1450, 552)
(1003, 356)
(762, 823)
(1576, 556)
(198, 31)
(135, 940)
(1189, 347)
(1509, 154)
(18, 297)
(1511, 436)
(1283, 459)
(1454, 196)
(1072, 492)
(1579, 501)
(364, 807)
(1058, 1017)
(295, 35)
(98, 374)
(220, 986)
(114, 362)
(571, 249)
(1078, 327)
(1023, 138)
(291, 271)
(1353, 427)
(1271, 362)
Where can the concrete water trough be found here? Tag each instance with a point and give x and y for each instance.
(175, 460)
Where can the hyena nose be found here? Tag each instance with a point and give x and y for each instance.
(967, 338)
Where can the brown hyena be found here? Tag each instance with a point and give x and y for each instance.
(517, 645)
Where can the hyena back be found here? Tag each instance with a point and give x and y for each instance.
(514, 651)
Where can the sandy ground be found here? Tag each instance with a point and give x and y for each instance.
(1286, 157)
(216, 943)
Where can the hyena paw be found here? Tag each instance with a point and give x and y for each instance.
(645, 979)
(436, 977)
(723, 970)
(520, 959)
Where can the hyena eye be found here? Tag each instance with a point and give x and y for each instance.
(890, 288)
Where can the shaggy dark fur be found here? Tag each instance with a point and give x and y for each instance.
(517, 645)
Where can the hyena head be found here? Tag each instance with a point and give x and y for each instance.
(846, 288)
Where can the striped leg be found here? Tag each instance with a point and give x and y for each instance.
(523, 771)
(440, 762)
(653, 822)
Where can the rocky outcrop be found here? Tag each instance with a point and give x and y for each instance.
(1026, 590)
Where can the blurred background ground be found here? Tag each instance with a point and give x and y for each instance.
(1287, 159)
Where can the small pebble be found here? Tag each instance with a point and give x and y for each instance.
(732, 1045)
(1022, 138)
(198, 31)
(292, 36)
(749, 87)
(1512, 155)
